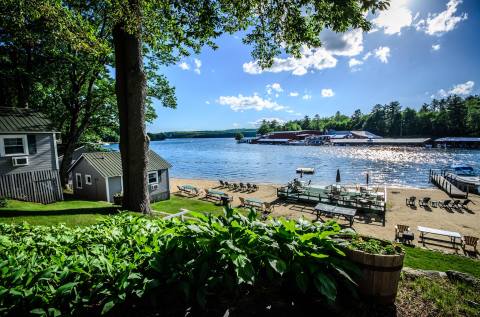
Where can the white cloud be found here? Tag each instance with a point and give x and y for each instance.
(307, 97)
(258, 122)
(395, 18)
(184, 66)
(235, 125)
(273, 87)
(255, 102)
(198, 65)
(436, 47)
(354, 62)
(460, 89)
(327, 92)
(366, 56)
(345, 44)
(293, 94)
(445, 21)
(207, 102)
(382, 53)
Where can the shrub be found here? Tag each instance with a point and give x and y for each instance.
(52, 270)
(3, 202)
(374, 246)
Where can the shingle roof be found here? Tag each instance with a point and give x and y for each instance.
(109, 164)
(23, 120)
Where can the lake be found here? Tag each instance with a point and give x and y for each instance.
(225, 159)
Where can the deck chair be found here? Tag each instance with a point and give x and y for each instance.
(445, 203)
(222, 184)
(410, 201)
(227, 185)
(465, 203)
(424, 202)
(399, 233)
(235, 186)
(242, 202)
(249, 187)
(456, 204)
(255, 187)
(242, 186)
(267, 208)
(469, 241)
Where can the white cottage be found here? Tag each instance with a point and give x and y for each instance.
(98, 176)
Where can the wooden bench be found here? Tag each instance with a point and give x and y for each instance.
(347, 213)
(451, 234)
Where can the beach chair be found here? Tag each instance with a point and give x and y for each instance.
(445, 203)
(469, 241)
(465, 203)
(235, 186)
(222, 184)
(456, 204)
(424, 202)
(255, 187)
(243, 187)
(227, 185)
(242, 202)
(249, 187)
(267, 208)
(403, 234)
(410, 201)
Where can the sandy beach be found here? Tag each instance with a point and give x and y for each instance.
(464, 222)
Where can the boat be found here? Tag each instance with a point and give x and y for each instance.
(464, 177)
(305, 170)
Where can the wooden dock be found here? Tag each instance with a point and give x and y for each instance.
(438, 179)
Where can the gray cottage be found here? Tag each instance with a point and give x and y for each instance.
(98, 176)
(28, 157)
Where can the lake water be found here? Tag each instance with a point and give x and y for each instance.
(225, 159)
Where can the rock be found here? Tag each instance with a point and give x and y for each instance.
(463, 277)
(416, 273)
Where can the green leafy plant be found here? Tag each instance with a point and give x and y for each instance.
(374, 246)
(59, 270)
(3, 202)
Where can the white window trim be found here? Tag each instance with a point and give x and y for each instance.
(156, 177)
(76, 180)
(86, 179)
(14, 136)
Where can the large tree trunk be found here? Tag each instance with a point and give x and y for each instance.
(130, 89)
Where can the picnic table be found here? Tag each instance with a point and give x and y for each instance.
(451, 234)
(347, 213)
(254, 202)
(189, 189)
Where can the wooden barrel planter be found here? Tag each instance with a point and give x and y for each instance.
(380, 275)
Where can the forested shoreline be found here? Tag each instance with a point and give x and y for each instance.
(450, 116)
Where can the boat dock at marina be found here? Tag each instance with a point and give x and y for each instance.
(438, 178)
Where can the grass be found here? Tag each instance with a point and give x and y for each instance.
(433, 260)
(70, 212)
(175, 203)
(437, 297)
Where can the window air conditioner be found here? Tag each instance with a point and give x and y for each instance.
(20, 161)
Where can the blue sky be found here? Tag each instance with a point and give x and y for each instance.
(417, 50)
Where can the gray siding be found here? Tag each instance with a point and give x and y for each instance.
(44, 159)
(163, 191)
(114, 186)
(96, 191)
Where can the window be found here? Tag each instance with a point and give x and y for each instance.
(78, 177)
(32, 144)
(153, 178)
(88, 179)
(14, 145)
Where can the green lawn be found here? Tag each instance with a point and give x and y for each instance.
(431, 260)
(70, 212)
(175, 203)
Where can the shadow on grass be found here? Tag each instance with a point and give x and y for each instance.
(63, 212)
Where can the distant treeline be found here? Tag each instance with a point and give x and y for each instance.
(202, 134)
(452, 116)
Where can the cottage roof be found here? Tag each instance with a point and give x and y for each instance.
(15, 120)
(109, 164)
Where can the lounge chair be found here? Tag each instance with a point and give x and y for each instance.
(469, 241)
(235, 186)
(456, 204)
(465, 203)
(424, 202)
(243, 187)
(403, 234)
(445, 203)
(242, 202)
(410, 201)
(227, 185)
(267, 208)
(222, 184)
(255, 187)
(249, 187)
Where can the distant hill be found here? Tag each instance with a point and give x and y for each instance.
(230, 133)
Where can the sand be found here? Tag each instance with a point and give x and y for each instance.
(464, 222)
